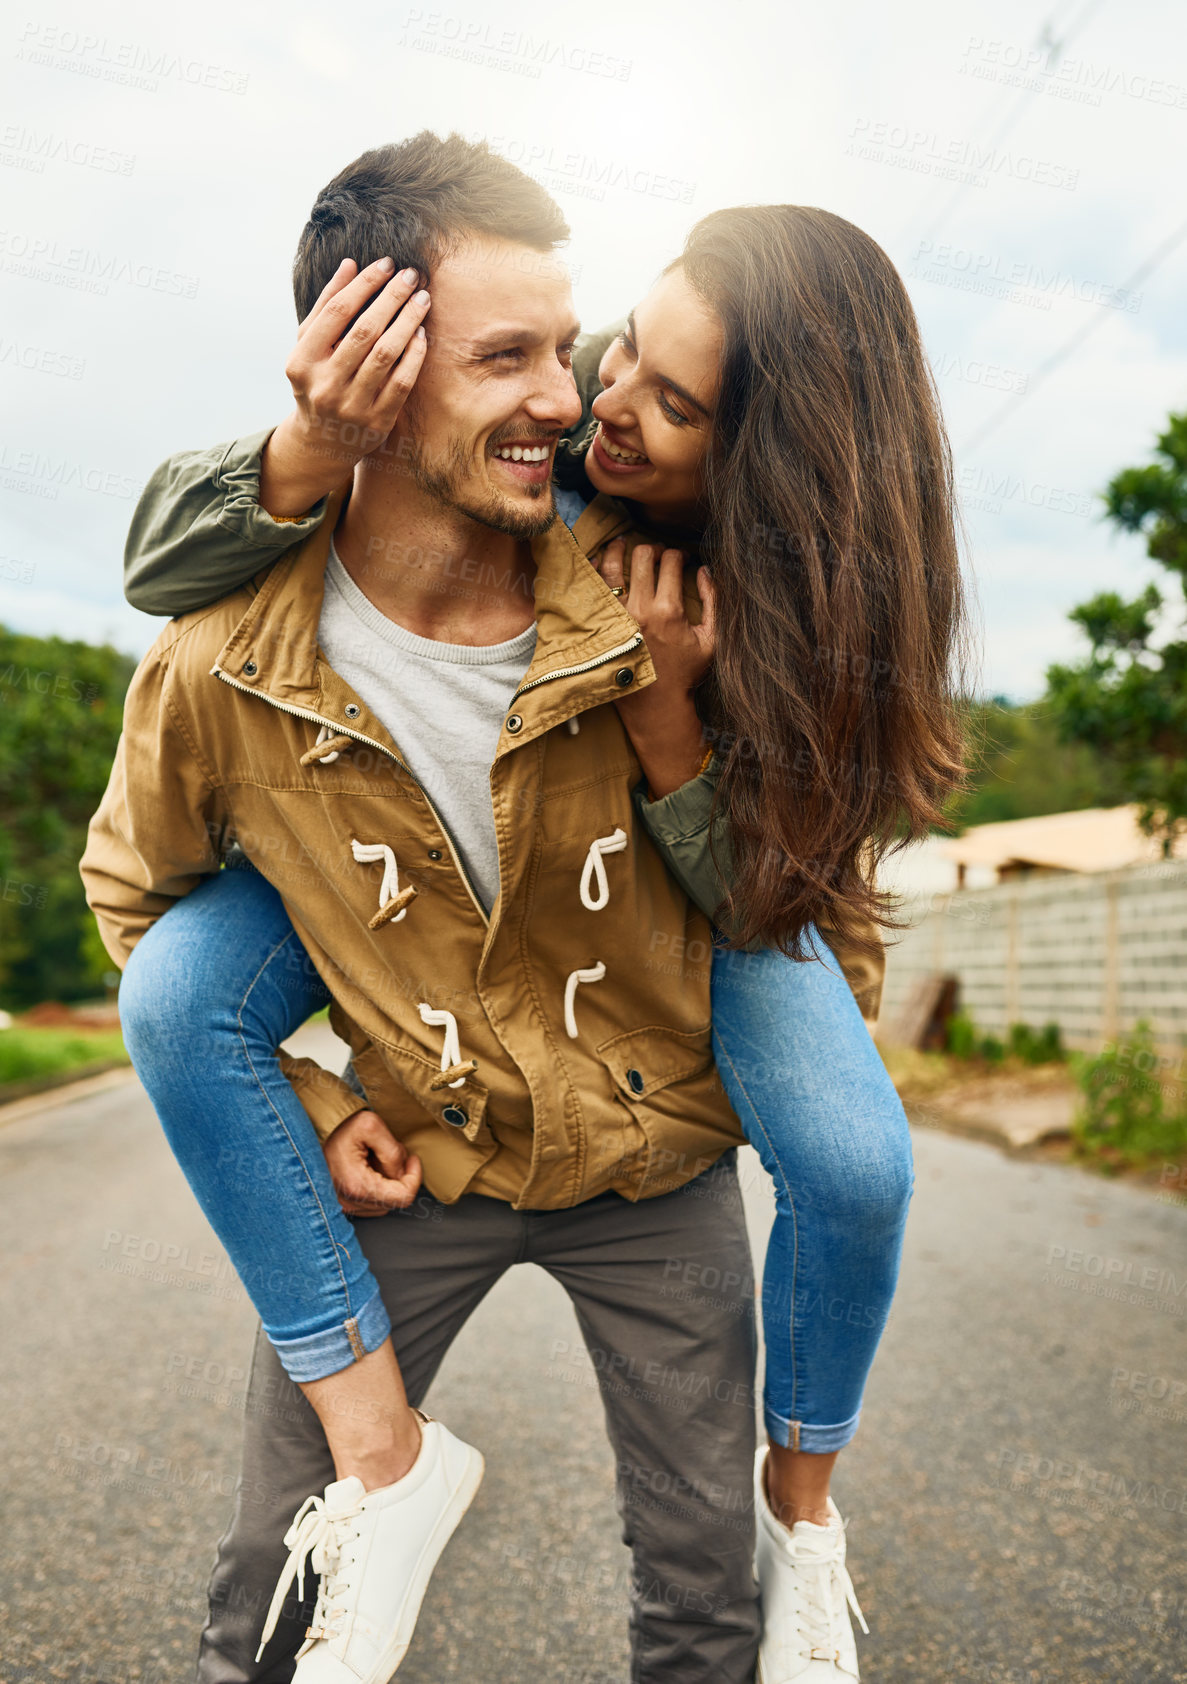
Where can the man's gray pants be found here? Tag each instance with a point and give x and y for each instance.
(675, 1364)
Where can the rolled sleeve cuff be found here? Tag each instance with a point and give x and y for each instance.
(238, 475)
(678, 824)
(683, 814)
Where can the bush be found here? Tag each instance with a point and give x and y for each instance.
(1124, 1115)
(60, 708)
(1041, 1046)
(964, 1040)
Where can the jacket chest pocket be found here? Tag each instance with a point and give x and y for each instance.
(643, 1062)
(668, 1081)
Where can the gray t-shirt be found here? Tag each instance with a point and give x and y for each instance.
(443, 703)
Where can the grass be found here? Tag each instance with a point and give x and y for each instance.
(922, 1076)
(26, 1054)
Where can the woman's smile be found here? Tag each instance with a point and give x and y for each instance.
(615, 456)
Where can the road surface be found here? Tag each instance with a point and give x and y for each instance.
(1016, 1497)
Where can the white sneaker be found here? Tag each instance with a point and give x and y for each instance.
(375, 1551)
(804, 1584)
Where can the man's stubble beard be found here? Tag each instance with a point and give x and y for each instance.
(445, 480)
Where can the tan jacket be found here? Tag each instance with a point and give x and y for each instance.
(555, 1051)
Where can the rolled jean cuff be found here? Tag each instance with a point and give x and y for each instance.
(315, 1355)
(817, 1441)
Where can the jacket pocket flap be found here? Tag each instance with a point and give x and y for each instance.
(644, 1060)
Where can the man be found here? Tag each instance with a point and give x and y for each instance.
(582, 1124)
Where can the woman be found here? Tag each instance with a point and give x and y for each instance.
(769, 405)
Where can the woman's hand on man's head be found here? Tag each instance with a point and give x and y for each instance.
(352, 369)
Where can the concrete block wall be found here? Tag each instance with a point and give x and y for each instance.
(1093, 953)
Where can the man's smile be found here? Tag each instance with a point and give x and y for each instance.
(528, 461)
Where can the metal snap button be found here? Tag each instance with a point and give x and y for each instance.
(436, 854)
(515, 723)
(455, 1115)
(635, 1081)
(250, 668)
(352, 710)
(624, 676)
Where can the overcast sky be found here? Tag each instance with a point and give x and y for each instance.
(158, 169)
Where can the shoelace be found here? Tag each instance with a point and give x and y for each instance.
(594, 868)
(315, 1537)
(594, 974)
(393, 902)
(819, 1573)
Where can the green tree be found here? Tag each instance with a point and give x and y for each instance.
(1019, 768)
(60, 710)
(1128, 699)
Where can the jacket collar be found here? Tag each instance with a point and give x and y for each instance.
(580, 625)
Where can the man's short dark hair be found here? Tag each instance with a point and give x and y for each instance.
(412, 202)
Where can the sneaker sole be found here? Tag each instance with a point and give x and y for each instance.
(451, 1516)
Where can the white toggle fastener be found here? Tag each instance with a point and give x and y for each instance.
(612, 844)
(369, 853)
(451, 1052)
(594, 974)
(324, 736)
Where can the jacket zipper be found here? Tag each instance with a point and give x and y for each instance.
(586, 666)
(359, 737)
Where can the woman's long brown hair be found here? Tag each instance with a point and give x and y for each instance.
(831, 537)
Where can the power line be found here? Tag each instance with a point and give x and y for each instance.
(1051, 42)
(1073, 342)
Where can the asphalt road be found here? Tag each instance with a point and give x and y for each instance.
(1016, 1497)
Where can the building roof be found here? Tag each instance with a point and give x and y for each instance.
(1094, 839)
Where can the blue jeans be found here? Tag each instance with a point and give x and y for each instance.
(208, 995)
(221, 980)
(817, 1105)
